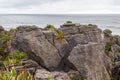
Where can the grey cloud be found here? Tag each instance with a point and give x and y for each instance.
(115, 2)
(23, 3)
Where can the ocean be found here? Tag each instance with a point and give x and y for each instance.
(104, 21)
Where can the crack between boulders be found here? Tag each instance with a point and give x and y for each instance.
(53, 43)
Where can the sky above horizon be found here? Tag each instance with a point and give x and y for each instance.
(59, 6)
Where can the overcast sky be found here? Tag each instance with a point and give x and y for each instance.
(59, 6)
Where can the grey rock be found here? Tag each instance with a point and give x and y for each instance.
(1, 28)
(92, 33)
(42, 74)
(90, 56)
(37, 46)
(81, 50)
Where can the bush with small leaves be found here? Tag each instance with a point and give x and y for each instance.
(14, 30)
(49, 78)
(90, 24)
(59, 35)
(108, 31)
(51, 27)
(108, 46)
(4, 42)
(68, 21)
(14, 57)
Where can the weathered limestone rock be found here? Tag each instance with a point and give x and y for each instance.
(27, 64)
(90, 56)
(37, 46)
(42, 74)
(81, 50)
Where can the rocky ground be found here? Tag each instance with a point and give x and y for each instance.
(72, 52)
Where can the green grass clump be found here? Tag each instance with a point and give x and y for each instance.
(80, 78)
(51, 27)
(118, 49)
(90, 24)
(49, 78)
(4, 36)
(108, 46)
(59, 35)
(14, 57)
(28, 30)
(14, 30)
(4, 42)
(108, 31)
(13, 75)
(68, 21)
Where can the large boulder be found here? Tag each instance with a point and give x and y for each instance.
(32, 41)
(88, 59)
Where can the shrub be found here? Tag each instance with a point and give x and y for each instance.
(28, 30)
(108, 31)
(4, 42)
(51, 27)
(59, 35)
(13, 75)
(14, 30)
(68, 21)
(90, 24)
(14, 57)
(4, 36)
(108, 46)
(49, 78)
(118, 49)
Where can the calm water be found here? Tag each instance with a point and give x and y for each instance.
(103, 21)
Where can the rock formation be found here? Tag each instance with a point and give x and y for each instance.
(72, 47)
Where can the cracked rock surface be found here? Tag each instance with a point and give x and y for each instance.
(81, 49)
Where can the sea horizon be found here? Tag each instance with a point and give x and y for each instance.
(104, 21)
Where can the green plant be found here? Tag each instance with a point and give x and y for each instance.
(90, 24)
(4, 36)
(14, 57)
(118, 49)
(59, 35)
(28, 30)
(4, 42)
(108, 46)
(14, 30)
(108, 31)
(80, 78)
(51, 27)
(13, 75)
(49, 78)
(68, 21)
(114, 79)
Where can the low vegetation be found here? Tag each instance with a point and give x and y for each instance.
(4, 43)
(108, 46)
(68, 21)
(13, 75)
(14, 57)
(108, 31)
(14, 30)
(80, 78)
(59, 35)
(119, 49)
(90, 24)
(51, 27)
(28, 30)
